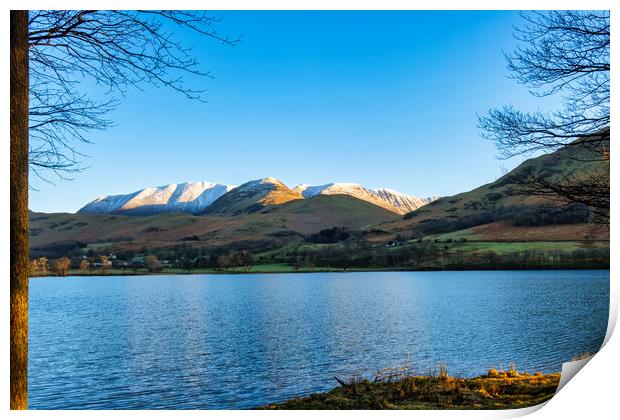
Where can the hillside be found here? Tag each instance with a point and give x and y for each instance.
(500, 211)
(271, 225)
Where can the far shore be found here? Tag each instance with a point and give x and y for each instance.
(287, 269)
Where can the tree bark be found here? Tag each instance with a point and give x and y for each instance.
(19, 209)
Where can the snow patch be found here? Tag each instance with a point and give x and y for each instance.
(188, 197)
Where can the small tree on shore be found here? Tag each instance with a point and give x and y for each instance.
(34, 268)
(153, 264)
(62, 266)
(84, 265)
(105, 262)
(223, 262)
(42, 266)
(38, 267)
(245, 259)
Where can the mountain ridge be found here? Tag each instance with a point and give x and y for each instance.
(280, 225)
(392, 200)
(211, 198)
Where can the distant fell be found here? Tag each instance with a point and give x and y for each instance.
(503, 210)
(252, 197)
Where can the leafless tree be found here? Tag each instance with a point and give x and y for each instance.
(34, 268)
(223, 262)
(246, 259)
(153, 264)
(105, 262)
(563, 53)
(62, 266)
(38, 267)
(51, 53)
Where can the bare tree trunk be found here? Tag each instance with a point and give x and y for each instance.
(19, 209)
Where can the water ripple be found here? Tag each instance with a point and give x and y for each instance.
(213, 342)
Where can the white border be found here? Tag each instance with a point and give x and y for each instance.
(593, 395)
(318, 4)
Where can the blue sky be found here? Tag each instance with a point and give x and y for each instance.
(384, 99)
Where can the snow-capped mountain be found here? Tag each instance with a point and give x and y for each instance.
(405, 203)
(209, 198)
(188, 197)
(389, 199)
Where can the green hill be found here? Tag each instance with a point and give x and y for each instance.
(503, 210)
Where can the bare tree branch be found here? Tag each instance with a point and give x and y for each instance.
(564, 53)
(115, 49)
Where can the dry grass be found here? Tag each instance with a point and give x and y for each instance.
(396, 388)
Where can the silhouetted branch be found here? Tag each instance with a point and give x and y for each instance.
(587, 184)
(565, 52)
(114, 49)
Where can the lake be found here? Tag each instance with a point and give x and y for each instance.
(245, 340)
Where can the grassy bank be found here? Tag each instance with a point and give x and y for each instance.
(496, 390)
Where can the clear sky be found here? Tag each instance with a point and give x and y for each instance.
(384, 99)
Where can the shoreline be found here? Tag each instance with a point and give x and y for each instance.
(123, 273)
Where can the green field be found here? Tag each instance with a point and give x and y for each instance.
(510, 247)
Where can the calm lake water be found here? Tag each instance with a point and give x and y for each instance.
(240, 341)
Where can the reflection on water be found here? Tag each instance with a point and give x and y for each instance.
(239, 341)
